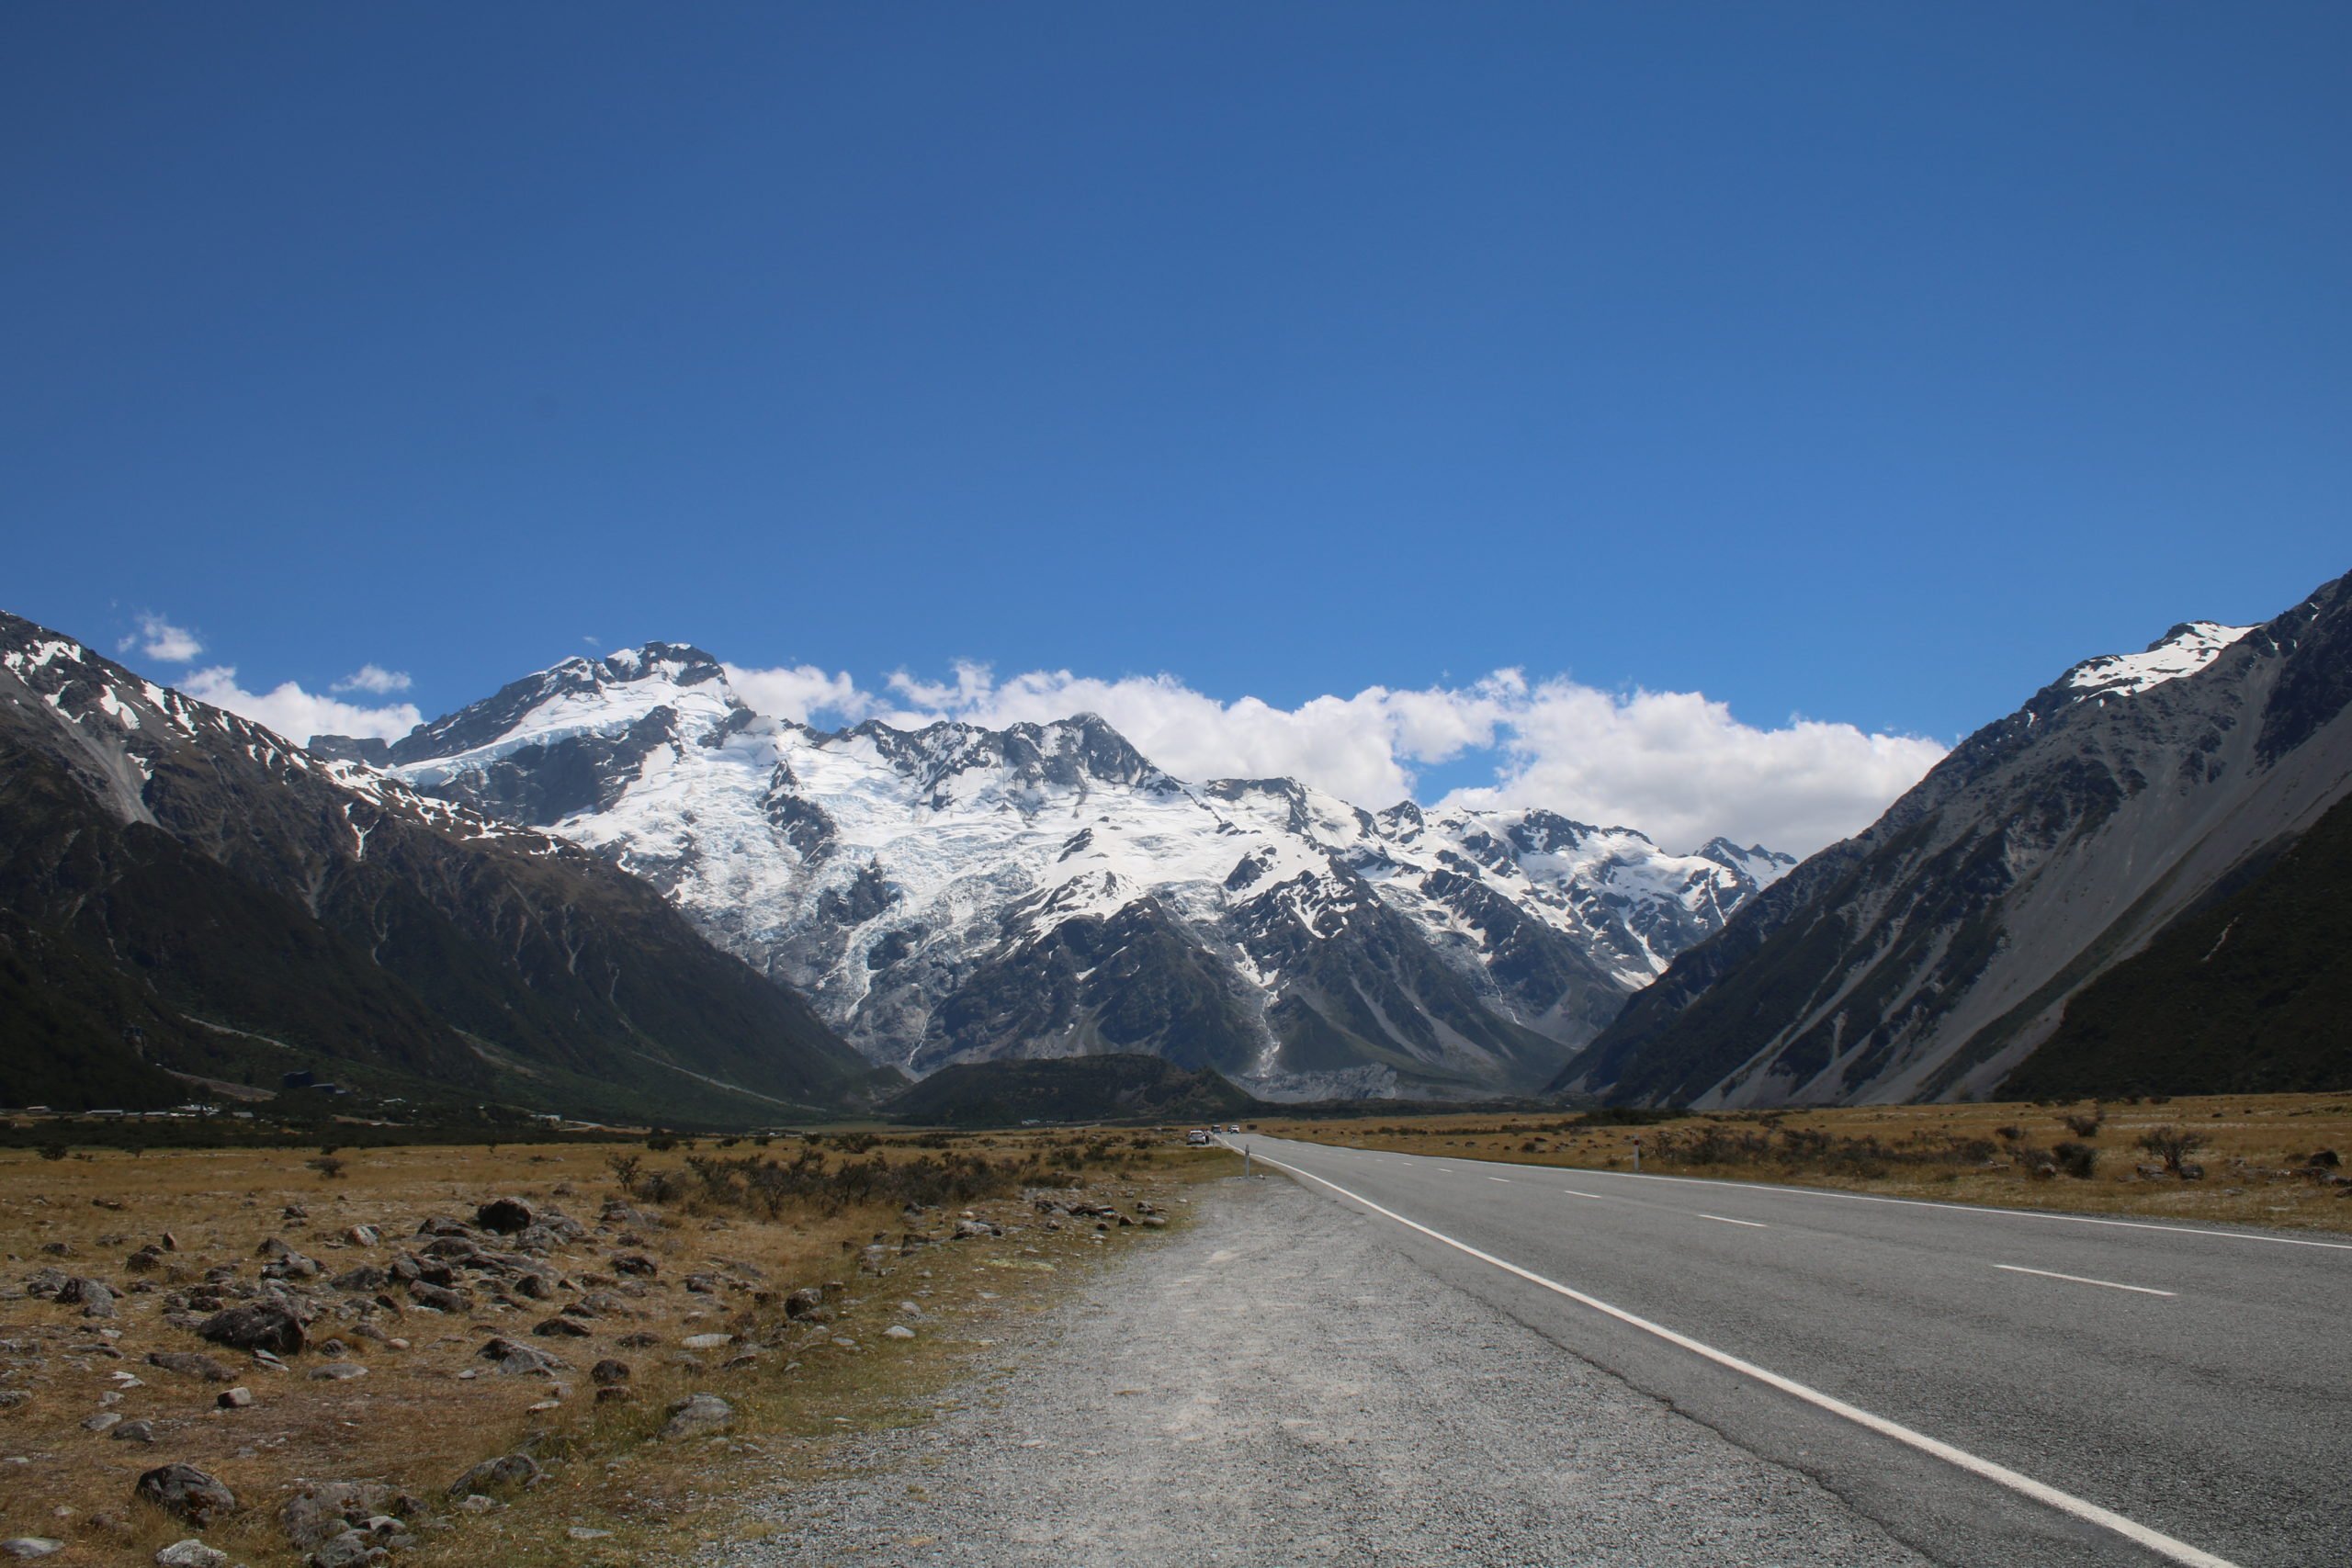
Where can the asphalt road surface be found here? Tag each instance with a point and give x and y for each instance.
(1989, 1386)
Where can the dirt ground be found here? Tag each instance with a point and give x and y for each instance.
(2257, 1152)
(428, 1406)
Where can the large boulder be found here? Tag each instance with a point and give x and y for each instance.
(187, 1492)
(698, 1414)
(255, 1326)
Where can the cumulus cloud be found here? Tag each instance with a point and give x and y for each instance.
(1684, 769)
(158, 638)
(373, 678)
(799, 692)
(295, 714)
(1675, 764)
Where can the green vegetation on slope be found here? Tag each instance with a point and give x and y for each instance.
(2250, 994)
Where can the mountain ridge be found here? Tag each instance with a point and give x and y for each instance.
(917, 883)
(1930, 954)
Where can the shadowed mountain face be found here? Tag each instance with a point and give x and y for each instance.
(182, 889)
(956, 894)
(1931, 955)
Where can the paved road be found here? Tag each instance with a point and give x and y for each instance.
(2207, 1407)
(1278, 1386)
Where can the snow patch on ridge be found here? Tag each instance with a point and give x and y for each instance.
(2184, 650)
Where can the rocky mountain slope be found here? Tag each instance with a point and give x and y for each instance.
(957, 894)
(1930, 955)
(182, 889)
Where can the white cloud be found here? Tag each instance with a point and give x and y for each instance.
(295, 714)
(373, 678)
(1684, 769)
(158, 638)
(1674, 764)
(799, 692)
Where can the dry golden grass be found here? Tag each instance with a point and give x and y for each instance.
(2257, 1147)
(412, 1421)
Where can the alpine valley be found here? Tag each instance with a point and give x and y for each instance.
(955, 895)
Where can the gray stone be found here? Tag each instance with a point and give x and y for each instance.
(508, 1472)
(698, 1414)
(187, 1492)
(517, 1359)
(29, 1546)
(190, 1553)
(255, 1326)
(190, 1364)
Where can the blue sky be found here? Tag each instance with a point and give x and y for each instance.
(1865, 363)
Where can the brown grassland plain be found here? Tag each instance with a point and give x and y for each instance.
(614, 1491)
(2257, 1152)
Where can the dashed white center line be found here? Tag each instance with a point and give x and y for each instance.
(1728, 1220)
(2080, 1279)
(1504, 1180)
(1572, 1192)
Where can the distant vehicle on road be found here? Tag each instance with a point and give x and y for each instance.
(1197, 1137)
(1234, 1129)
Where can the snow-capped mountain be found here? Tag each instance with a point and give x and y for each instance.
(185, 891)
(1933, 955)
(955, 893)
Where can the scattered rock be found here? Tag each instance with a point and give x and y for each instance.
(582, 1532)
(255, 1326)
(805, 1301)
(190, 1553)
(634, 1263)
(607, 1372)
(967, 1230)
(508, 1472)
(560, 1326)
(519, 1359)
(134, 1432)
(334, 1371)
(12, 1397)
(698, 1414)
(187, 1492)
(29, 1546)
(897, 1331)
(95, 1297)
(190, 1364)
(440, 1298)
(707, 1342)
(235, 1398)
(322, 1512)
(102, 1421)
(477, 1504)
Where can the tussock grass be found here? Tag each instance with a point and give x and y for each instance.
(414, 1423)
(2120, 1157)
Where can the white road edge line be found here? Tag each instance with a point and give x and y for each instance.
(2065, 1501)
(2084, 1280)
(1726, 1218)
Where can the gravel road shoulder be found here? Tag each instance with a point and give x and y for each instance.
(1275, 1384)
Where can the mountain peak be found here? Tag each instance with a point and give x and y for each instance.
(2184, 650)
